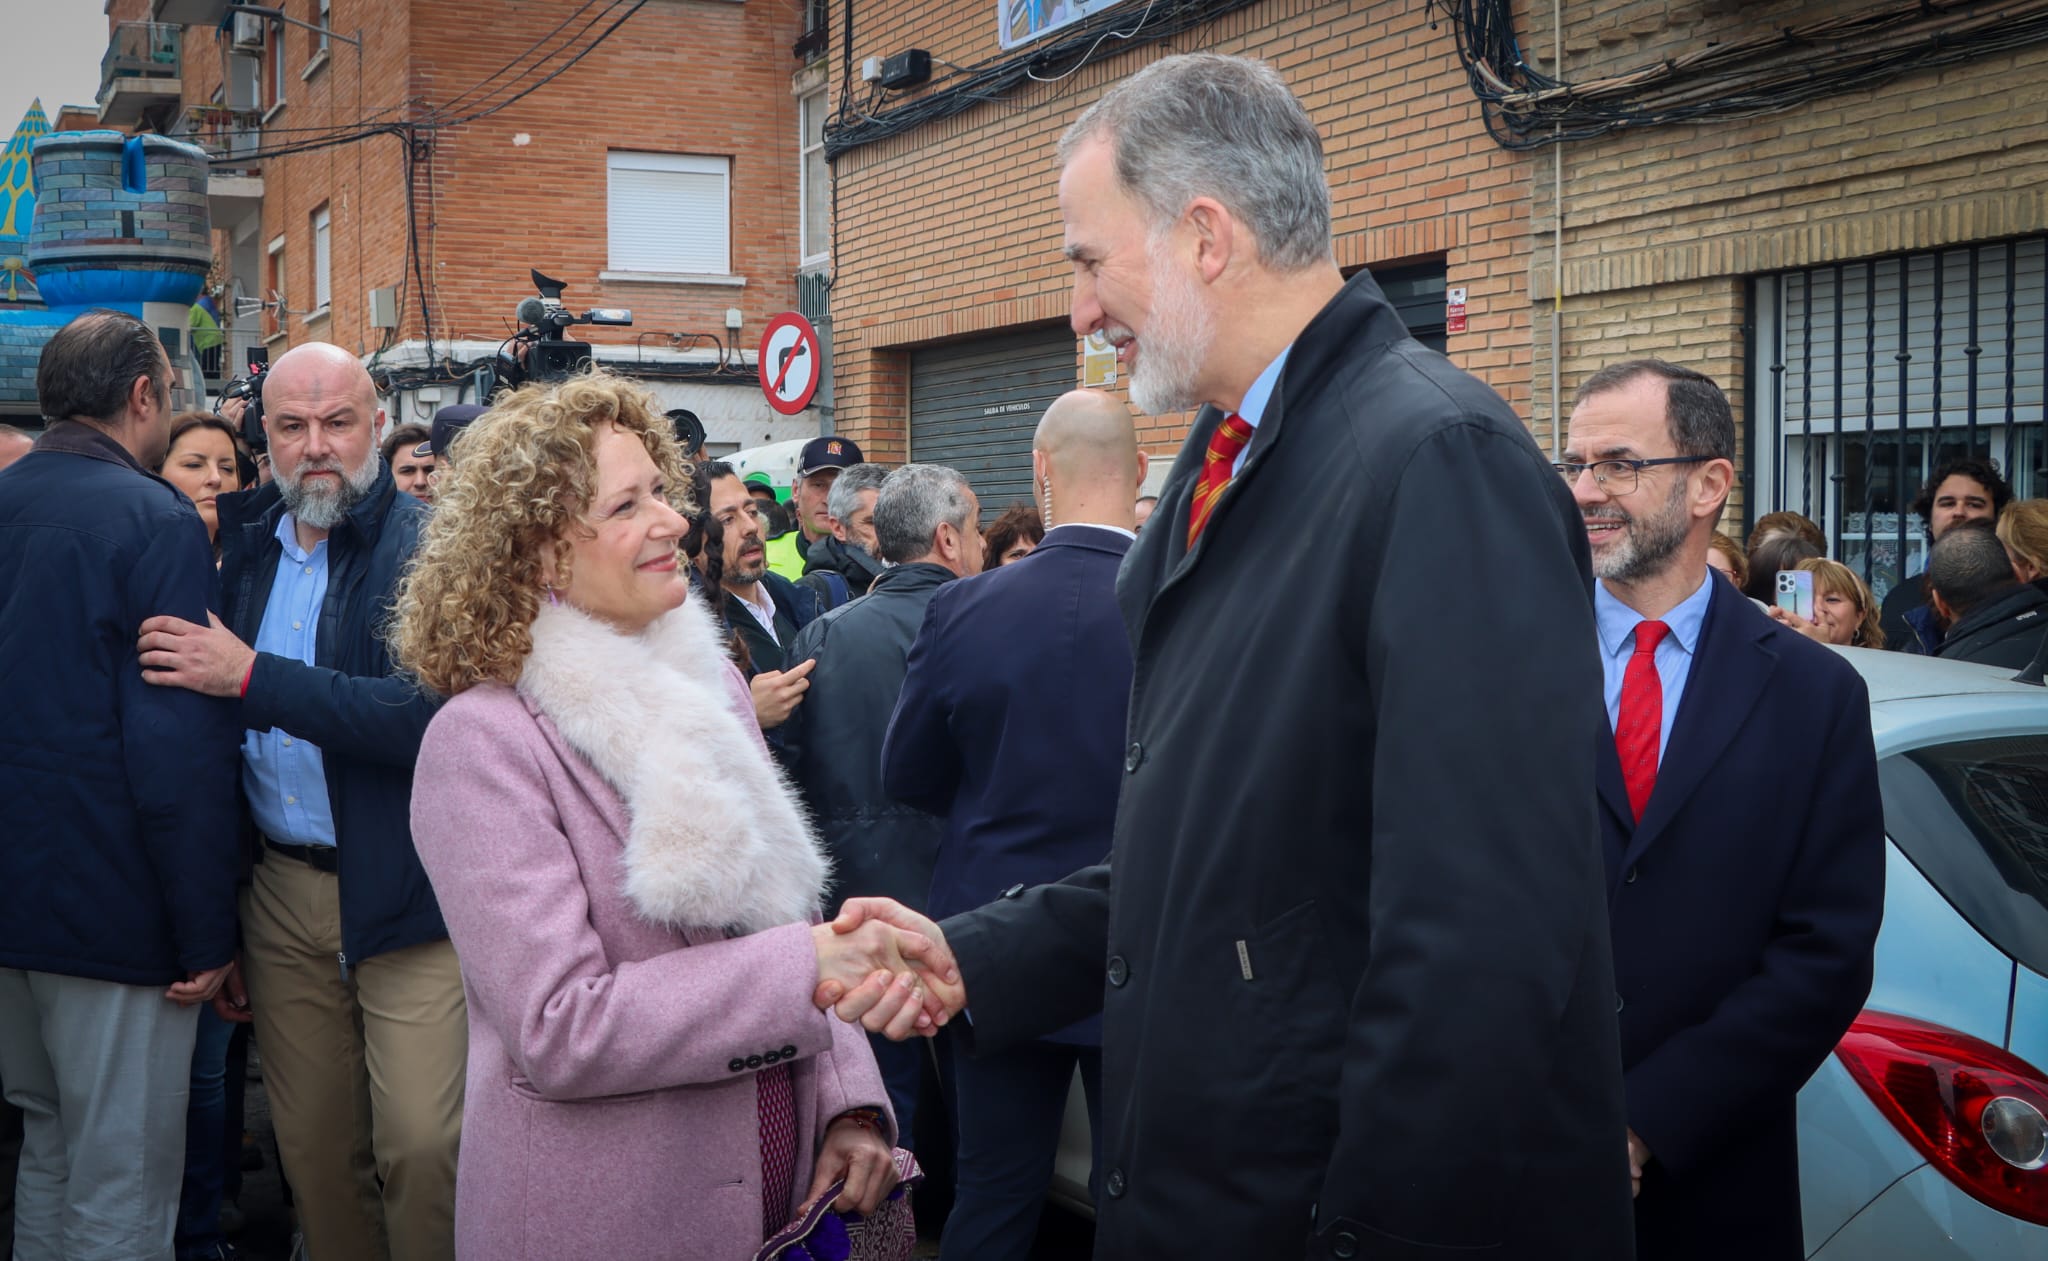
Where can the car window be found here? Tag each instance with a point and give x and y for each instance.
(1973, 817)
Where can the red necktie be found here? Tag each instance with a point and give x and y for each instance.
(1217, 464)
(1641, 724)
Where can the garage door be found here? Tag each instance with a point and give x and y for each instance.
(974, 405)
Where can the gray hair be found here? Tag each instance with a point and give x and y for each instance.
(914, 501)
(844, 499)
(1206, 125)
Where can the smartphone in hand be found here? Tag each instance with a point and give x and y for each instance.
(1795, 592)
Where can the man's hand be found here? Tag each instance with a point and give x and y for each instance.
(231, 410)
(207, 659)
(892, 970)
(855, 1151)
(1638, 1156)
(881, 1002)
(199, 987)
(232, 1002)
(776, 693)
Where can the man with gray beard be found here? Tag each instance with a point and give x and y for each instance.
(351, 981)
(1350, 949)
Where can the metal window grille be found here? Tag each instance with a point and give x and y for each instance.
(1866, 375)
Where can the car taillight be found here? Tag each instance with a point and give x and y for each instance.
(1978, 1113)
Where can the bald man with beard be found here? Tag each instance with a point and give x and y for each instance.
(1010, 726)
(353, 986)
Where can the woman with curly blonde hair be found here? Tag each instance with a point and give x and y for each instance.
(629, 882)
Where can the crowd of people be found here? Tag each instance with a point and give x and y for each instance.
(611, 859)
(1979, 597)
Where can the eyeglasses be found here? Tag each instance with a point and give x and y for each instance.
(1619, 477)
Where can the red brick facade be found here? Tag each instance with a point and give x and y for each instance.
(953, 230)
(524, 187)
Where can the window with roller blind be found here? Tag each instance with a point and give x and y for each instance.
(669, 214)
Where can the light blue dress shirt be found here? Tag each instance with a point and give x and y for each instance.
(1617, 623)
(1255, 400)
(284, 777)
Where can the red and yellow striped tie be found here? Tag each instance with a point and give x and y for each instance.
(1217, 465)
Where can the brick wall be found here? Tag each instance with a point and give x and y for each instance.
(954, 230)
(525, 187)
(1664, 226)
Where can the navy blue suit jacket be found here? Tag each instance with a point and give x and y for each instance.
(1744, 908)
(1011, 720)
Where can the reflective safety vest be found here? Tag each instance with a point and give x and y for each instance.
(786, 555)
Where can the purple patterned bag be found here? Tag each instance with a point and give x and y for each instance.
(819, 1234)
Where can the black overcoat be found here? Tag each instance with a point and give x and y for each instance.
(1359, 1000)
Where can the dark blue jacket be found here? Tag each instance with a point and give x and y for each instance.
(366, 718)
(118, 857)
(1011, 721)
(1744, 909)
(832, 743)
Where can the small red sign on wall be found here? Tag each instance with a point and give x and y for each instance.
(1454, 310)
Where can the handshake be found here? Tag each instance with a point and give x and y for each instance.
(886, 968)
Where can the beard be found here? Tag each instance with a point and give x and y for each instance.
(1178, 334)
(1647, 543)
(321, 505)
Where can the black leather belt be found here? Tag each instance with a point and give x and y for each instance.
(318, 857)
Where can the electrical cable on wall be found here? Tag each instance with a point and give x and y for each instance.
(1725, 79)
(1001, 79)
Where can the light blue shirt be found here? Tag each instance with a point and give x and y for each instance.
(1617, 624)
(284, 777)
(1255, 400)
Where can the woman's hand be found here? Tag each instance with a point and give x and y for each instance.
(901, 963)
(1812, 630)
(855, 1150)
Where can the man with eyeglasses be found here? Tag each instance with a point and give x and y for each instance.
(1744, 840)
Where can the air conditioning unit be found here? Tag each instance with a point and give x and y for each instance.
(248, 33)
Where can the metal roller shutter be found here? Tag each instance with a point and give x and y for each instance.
(974, 405)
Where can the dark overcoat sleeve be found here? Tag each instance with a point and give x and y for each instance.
(1486, 897)
(1771, 1032)
(378, 720)
(180, 751)
(920, 758)
(1032, 964)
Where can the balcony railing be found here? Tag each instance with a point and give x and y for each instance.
(139, 73)
(223, 132)
(142, 50)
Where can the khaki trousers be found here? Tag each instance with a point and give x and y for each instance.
(364, 1072)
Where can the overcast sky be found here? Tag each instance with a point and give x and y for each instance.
(54, 49)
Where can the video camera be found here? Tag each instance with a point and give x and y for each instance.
(539, 351)
(250, 386)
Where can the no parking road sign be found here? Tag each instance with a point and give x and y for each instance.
(790, 363)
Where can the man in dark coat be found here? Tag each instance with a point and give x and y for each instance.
(1961, 491)
(765, 609)
(348, 962)
(1011, 726)
(1744, 836)
(1993, 618)
(843, 564)
(1359, 1000)
(118, 857)
(832, 743)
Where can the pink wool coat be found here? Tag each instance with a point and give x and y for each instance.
(615, 1028)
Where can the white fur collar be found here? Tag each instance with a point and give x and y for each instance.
(717, 837)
